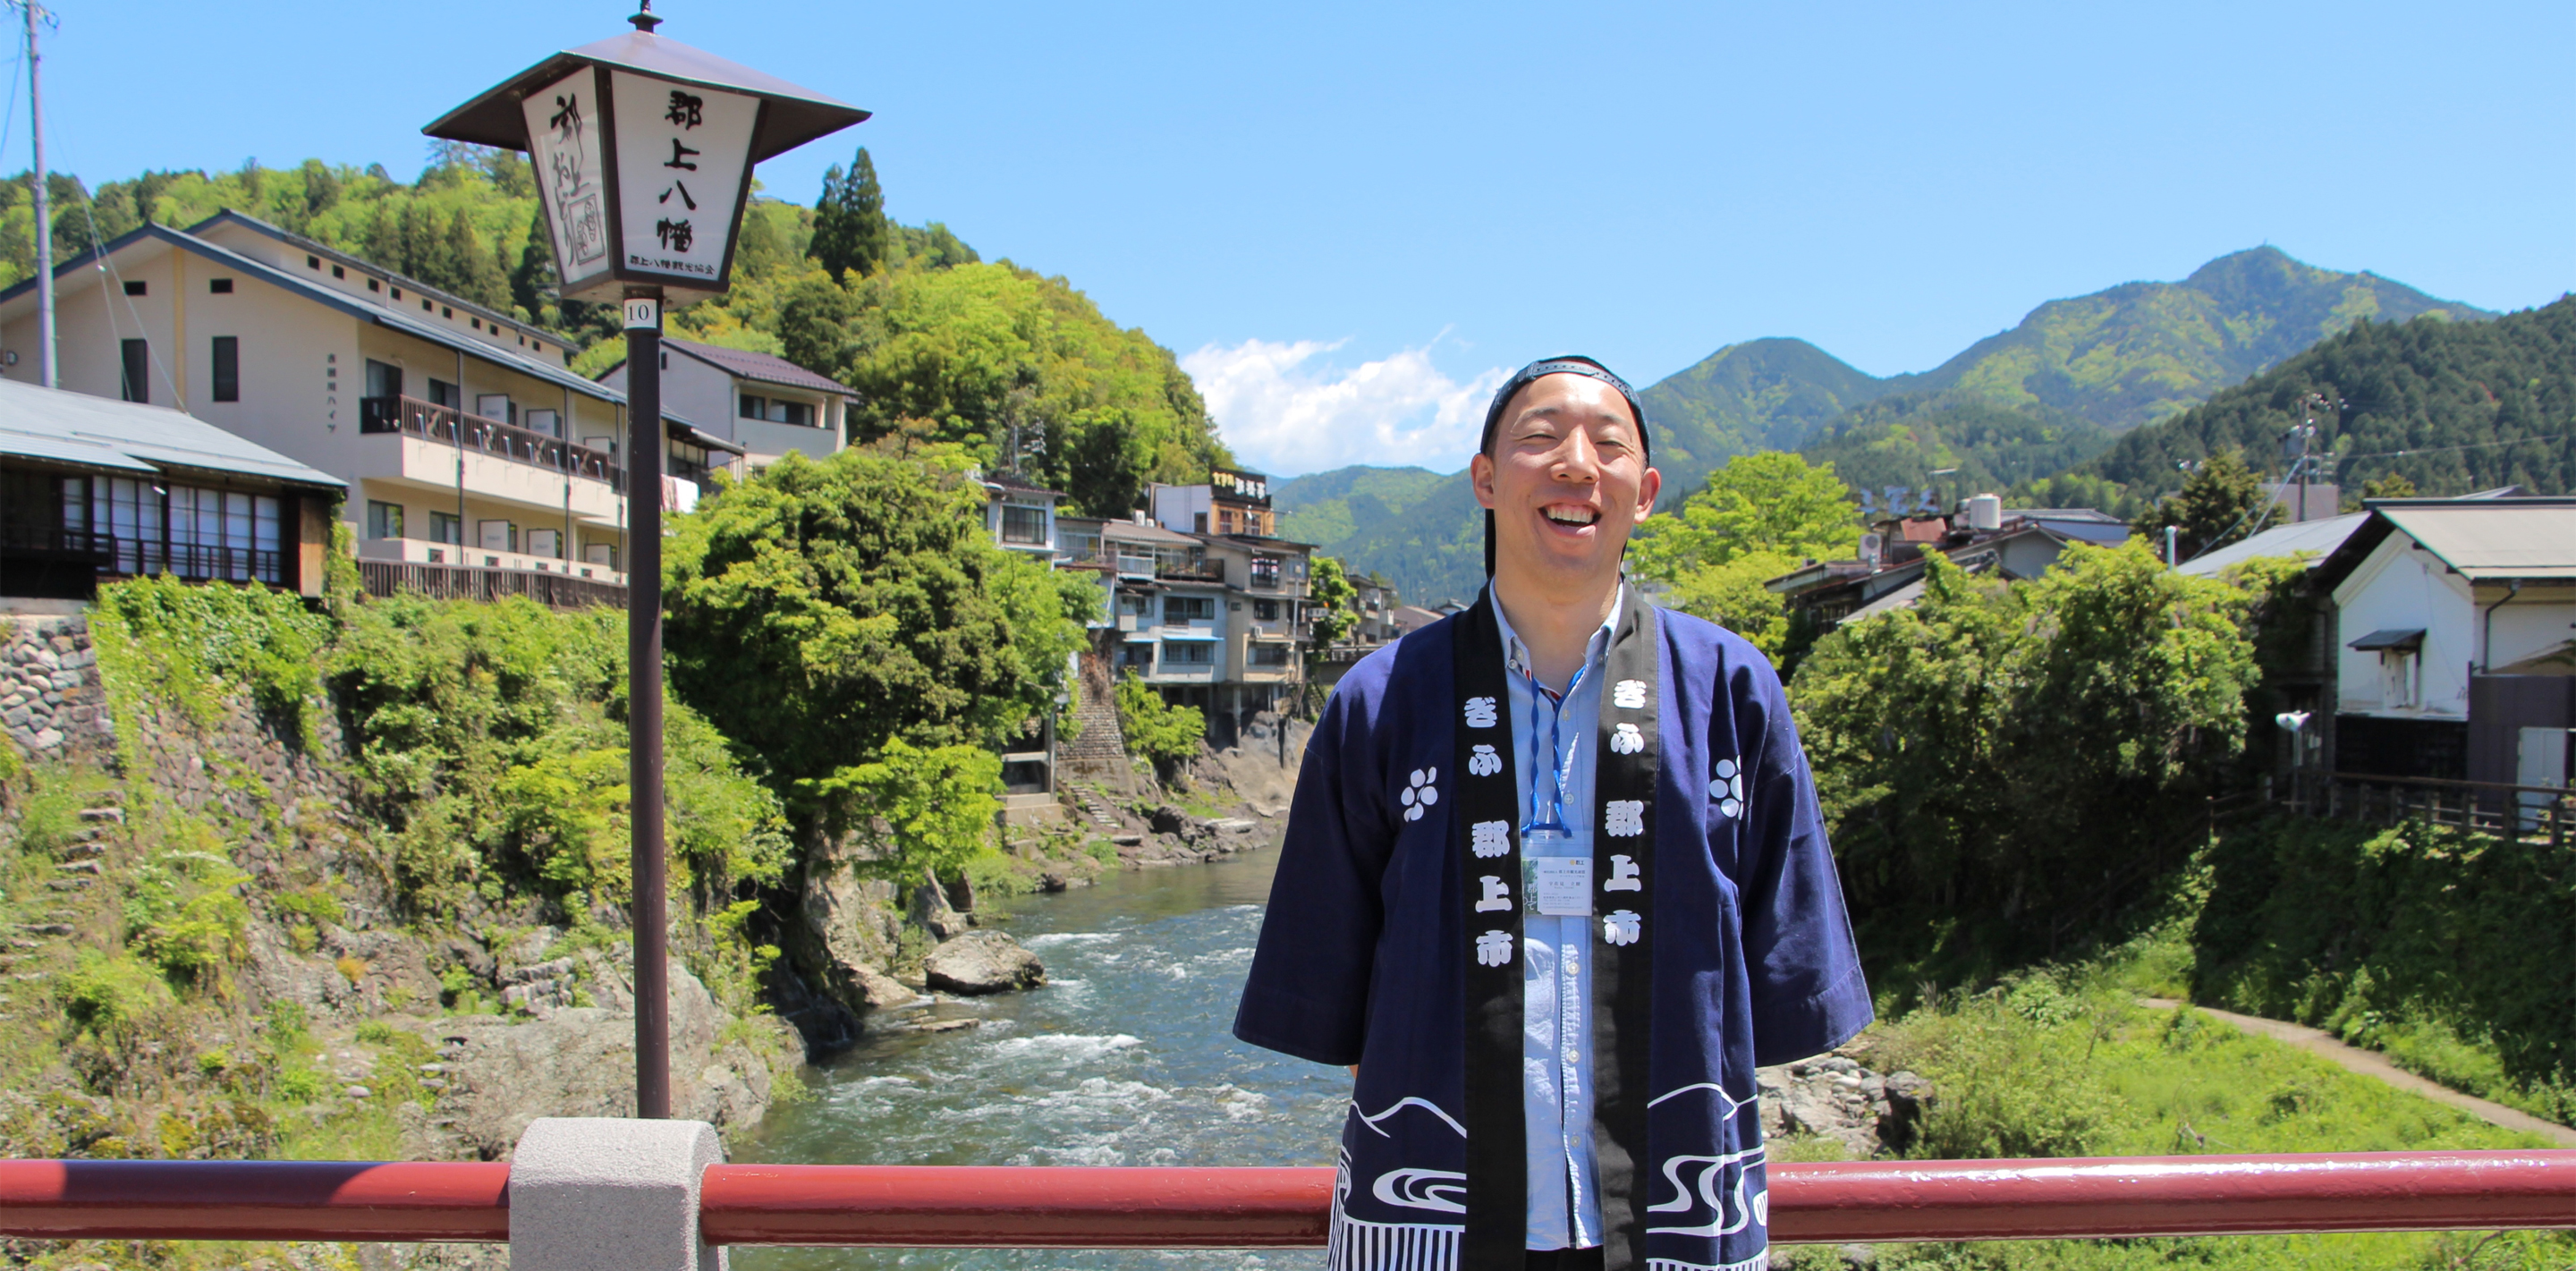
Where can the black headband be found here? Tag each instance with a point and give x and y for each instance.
(1564, 364)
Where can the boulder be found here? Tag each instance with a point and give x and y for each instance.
(982, 962)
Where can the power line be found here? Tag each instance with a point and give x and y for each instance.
(2436, 450)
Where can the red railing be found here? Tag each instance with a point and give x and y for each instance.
(957, 1206)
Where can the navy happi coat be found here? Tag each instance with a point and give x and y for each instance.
(1361, 953)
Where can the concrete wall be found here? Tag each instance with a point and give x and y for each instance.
(2402, 586)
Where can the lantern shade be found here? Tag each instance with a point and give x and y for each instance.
(795, 115)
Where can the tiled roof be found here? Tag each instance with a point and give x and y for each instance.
(76, 428)
(764, 367)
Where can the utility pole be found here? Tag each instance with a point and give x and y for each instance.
(44, 203)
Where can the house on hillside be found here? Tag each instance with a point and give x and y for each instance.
(763, 403)
(93, 488)
(1215, 620)
(1020, 513)
(2455, 639)
(1983, 537)
(476, 463)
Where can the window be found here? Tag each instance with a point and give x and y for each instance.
(2399, 677)
(384, 379)
(1189, 653)
(384, 520)
(227, 368)
(1023, 524)
(220, 287)
(754, 407)
(442, 393)
(138, 370)
(1189, 608)
(338, 272)
(477, 322)
(1265, 571)
(397, 293)
(443, 311)
(424, 304)
(1136, 656)
(135, 288)
(1198, 522)
(1266, 610)
(312, 262)
(446, 527)
(1136, 603)
(375, 284)
(1269, 653)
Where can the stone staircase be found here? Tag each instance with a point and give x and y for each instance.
(1096, 809)
(1031, 809)
(34, 950)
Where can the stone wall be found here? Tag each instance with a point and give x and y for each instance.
(50, 701)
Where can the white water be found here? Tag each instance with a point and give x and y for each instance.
(1124, 1058)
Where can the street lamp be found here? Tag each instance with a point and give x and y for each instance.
(643, 149)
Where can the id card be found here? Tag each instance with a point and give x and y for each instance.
(1558, 886)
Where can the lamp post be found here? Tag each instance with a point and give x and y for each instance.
(643, 149)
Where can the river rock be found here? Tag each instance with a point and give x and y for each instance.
(1834, 1097)
(983, 962)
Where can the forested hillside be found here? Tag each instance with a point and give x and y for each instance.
(1329, 507)
(944, 347)
(2036, 400)
(2450, 406)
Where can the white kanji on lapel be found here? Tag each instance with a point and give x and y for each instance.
(1629, 695)
(1727, 787)
(1490, 838)
(1626, 740)
(1494, 948)
(1624, 818)
(1623, 875)
(1421, 794)
(1484, 761)
(1481, 713)
(1619, 926)
(1496, 899)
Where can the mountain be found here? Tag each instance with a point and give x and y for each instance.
(2451, 406)
(1329, 507)
(2050, 394)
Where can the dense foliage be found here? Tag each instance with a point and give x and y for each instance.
(2452, 952)
(1329, 507)
(1332, 601)
(1901, 440)
(819, 611)
(2222, 502)
(1758, 517)
(2471, 405)
(932, 807)
(1166, 734)
(2006, 766)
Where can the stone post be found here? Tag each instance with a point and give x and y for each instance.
(610, 1194)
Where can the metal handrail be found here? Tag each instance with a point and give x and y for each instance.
(432, 422)
(1178, 1207)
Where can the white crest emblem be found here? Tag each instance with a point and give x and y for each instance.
(1629, 695)
(1619, 926)
(1480, 712)
(1626, 740)
(1421, 794)
(1623, 875)
(1494, 948)
(1727, 787)
(1497, 898)
(1490, 838)
(1483, 762)
(1624, 818)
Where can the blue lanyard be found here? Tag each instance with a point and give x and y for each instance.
(1555, 820)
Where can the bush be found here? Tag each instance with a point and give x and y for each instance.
(935, 805)
(1167, 735)
(108, 996)
(191, 644)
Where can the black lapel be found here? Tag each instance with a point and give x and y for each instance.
(1623, 877)
(1486, 819)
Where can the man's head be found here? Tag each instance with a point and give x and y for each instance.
(1563, 472)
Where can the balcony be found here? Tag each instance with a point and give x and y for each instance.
(1190, 571)
(446, 424)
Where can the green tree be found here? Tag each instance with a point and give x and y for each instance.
(2006, 767)
(1733, 596)
(820, 610)
(934, 805)
(2221, 503)
(1774, 502)
(849, 220)
(1166, 734)
(1334, 600)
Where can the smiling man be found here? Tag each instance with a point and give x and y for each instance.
(1555, 882)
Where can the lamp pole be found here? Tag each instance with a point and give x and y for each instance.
(643, 149)
(644, 700)
(44, 231)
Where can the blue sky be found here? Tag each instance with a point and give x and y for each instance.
(1347, 218)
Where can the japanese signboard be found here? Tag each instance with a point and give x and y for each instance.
(564, 129)
(683, 158)
(1240, 486)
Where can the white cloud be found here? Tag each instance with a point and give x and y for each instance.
(1286, 412)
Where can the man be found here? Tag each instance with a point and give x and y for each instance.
(1555, 881)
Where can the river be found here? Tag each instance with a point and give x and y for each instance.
(1123, 1058)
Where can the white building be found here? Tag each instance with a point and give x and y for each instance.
(467, 445)
(761, 402)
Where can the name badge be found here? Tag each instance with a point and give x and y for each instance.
(1558, 886)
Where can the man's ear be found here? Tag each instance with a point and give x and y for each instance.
(1648, 487)
(1480, 475)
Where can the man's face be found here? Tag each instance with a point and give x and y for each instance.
(1567, 478)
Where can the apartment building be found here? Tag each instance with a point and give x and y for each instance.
(473, 457)
(1212, 620)
(1019, 513)
(764, 403)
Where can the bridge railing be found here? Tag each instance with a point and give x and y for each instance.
(1166, 1207)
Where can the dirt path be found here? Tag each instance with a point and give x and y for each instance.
(2373, 1064)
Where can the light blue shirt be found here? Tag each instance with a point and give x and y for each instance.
(1556, 962)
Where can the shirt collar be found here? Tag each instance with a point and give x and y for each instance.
(1516, 654)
